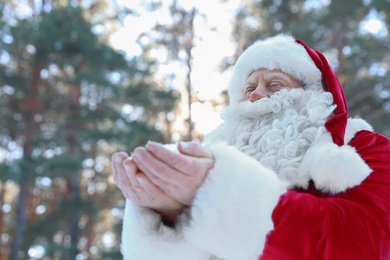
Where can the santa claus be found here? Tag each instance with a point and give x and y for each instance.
(286, 176)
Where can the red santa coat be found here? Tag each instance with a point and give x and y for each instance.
(354, 224)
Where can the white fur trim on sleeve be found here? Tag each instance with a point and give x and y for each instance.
(333, 168)
(355, 125)
(231, 213)
(144, 237)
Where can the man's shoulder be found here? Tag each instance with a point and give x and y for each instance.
(369, 140)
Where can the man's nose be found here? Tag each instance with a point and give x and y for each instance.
(258, 93)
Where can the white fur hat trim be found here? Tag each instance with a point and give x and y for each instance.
(278, 52)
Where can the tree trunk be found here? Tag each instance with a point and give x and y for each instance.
(2, 231)
(188, 47)
(73, 180)
(75, 216)
(20, 221)
(30, 110)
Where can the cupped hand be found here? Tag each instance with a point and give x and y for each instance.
(178, 175)
(136, 187)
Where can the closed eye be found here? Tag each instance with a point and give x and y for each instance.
(249, 90)
(275, 86)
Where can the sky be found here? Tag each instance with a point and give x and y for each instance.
(212, 45)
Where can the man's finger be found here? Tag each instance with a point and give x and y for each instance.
(174, 160)
(194, 149)
(120, 176)
(160, 200)
(131, 172)
(150, 188)
(157, 171)
(118, 158)
(117, 169)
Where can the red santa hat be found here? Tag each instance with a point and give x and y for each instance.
(296, 59)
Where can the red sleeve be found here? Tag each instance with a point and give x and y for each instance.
(351, 225)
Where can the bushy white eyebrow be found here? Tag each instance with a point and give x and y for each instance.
(277, 74)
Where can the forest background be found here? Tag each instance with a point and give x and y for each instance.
(82, 79)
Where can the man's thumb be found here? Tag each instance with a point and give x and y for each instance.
(194, 149)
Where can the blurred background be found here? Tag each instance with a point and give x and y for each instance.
(81, 79)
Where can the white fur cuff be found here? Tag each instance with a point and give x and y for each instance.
(231, 213)
(144, 237)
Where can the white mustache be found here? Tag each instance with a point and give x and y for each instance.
(280, 103)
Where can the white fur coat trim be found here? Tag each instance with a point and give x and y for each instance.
(144, 237)
(231, 213)
(335, 169)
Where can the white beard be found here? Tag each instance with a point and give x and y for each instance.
(277, 131)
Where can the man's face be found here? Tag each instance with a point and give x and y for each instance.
(263, 83)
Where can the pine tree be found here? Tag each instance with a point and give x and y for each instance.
(69, 100)
(177, 39)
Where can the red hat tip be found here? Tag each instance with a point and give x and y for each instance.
(336, 125)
